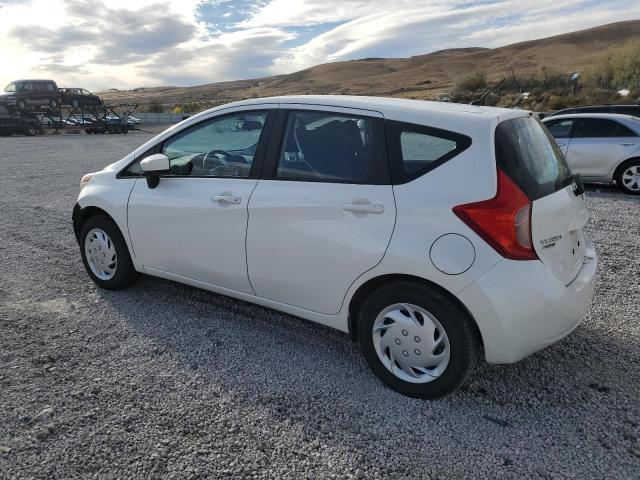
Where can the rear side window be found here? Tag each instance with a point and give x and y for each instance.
(595, 128)
(622, 131)
(527, 153)
(326, 147)
(417, 149)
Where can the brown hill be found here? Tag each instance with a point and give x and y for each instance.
(417, 77)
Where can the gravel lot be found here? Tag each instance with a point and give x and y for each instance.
(164, 380)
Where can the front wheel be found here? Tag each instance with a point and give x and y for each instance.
(417, 339)
(31, 130)
(53, 104)
(105, 254)
(628, 177)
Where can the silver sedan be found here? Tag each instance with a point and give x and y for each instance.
(601, 147)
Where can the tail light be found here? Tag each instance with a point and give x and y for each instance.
(504, 221)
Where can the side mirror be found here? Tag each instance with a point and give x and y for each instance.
(153, 166)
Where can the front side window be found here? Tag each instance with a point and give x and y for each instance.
(559, 128)
(221, 147)
(595, 128)
(415, 150)
(327, 147)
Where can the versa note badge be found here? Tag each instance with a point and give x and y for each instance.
(550, 242)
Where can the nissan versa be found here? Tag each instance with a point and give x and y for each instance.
(431, 232)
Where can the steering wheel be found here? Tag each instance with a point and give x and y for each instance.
(221, 158)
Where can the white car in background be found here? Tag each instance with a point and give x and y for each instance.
(601, 147)
(431, 232)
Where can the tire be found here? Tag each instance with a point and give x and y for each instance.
(53, 104)
(122, 274)
(31, 130)
(88, 131)
(457, 350)
(21, 104)
(628, 177)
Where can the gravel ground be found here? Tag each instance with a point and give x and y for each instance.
(164, 380)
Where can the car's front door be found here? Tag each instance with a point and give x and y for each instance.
(561, 131)
(194, 223)
(596, 148)
(323, 214)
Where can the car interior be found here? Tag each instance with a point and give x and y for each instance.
(318, 147)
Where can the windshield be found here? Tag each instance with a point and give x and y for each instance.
(528, 154)
(10, 88)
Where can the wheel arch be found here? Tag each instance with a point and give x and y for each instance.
(362, 293)
(81, 215)
(621, 165)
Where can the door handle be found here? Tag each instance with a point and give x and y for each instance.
(363, 207)
(227, 199)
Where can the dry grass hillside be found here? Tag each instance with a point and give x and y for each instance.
(422, 76)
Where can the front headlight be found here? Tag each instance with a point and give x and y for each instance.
(85, 180)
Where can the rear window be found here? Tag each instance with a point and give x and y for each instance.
(415, 150)
(528, 154)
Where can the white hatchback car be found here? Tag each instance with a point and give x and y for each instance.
(600, 147)
(428, 231)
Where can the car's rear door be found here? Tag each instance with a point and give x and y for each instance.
(595, 147)
(324, 211)
(194, 223)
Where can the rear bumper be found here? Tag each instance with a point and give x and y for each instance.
(521, 307)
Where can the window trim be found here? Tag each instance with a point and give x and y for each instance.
(395, 129)
(576, 121)
(258, 159)
(378, 172)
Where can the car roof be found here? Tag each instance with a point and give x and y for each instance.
(391, 108)
(610, 116)
(32, 80)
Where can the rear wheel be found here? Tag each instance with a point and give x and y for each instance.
(30, 130)
(628, 177)
(21, 104)
(105, 254)
(417, 339)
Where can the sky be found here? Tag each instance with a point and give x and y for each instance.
(100, 44)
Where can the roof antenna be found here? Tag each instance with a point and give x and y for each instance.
(484, 95)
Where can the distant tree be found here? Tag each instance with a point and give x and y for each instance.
(155, 106)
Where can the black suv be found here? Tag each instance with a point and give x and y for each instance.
(10, 124)
(621, 109)
(79, 97)
(31, 93)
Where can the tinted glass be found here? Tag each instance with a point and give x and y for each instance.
(222, 147)
(329, 147)
(622, 131)
(527, 153)
(10, 88)
(417, 149)
(630, 110)
(594, 128)
(559, 128)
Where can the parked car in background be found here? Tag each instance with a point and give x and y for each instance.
(79, 97)
(600, 147)
(10, 124)
(429, 231)
(31, 93)
(620, 109)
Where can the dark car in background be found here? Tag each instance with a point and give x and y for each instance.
(621, 109)
(10, 124)
(31, 93)
(79, 97)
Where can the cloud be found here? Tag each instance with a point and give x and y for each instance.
(123, 44)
